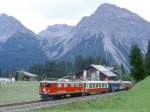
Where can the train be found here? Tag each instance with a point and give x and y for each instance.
(50, 90)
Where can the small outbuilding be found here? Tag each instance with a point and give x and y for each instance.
(23, 75)
(96, 73)
(29, 76)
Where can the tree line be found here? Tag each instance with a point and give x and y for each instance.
(140, 63)
(58, 69)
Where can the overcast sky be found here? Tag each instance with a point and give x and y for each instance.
(38, 14)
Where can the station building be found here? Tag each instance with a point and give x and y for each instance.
(96, 73)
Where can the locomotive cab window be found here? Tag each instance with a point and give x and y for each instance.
(47, 85)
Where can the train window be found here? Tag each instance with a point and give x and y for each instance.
(80, 85)
(87, 85)
(48, 85)
(59, 85)
(97, 85)
(72, 85)
(90, 85)
(93, 85)
(102, 85)
(65, 85)
(106, 85)
(77, 84)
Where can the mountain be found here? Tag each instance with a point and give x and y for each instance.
(53, 36)
(9, 26)
(109, 33)
(19, 46)
(20, 51)
(55, 31)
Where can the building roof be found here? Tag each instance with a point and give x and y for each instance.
(29, 74)
(104, 70)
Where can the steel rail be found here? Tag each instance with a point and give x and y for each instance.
(42, 104)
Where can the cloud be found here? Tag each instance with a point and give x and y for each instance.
(38, 14)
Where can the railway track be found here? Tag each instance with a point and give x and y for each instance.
(21, 103)
(41, 104)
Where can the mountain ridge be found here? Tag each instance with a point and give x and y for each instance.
(9, 26)
(19, 46)
(114, 28)
(108, 33)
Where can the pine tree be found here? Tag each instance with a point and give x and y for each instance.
(78, 63)
(147, 60)
(137, 65)
(0, 72)
(122, 69)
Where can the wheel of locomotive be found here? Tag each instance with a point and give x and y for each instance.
(79, 94)
(60, 96)
(46, 97)
(63, 96)
(73, 95)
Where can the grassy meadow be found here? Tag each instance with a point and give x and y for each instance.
(19, 91)
(135, 100)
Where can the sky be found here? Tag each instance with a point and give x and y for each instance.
(38, 14)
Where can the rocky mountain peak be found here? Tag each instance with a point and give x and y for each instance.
(111, 10)
(57, 30)
(109, 33)
(3, 15)
(58, 26)
(10, 25)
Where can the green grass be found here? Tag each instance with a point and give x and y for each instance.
(135, 100)
(19, 91)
